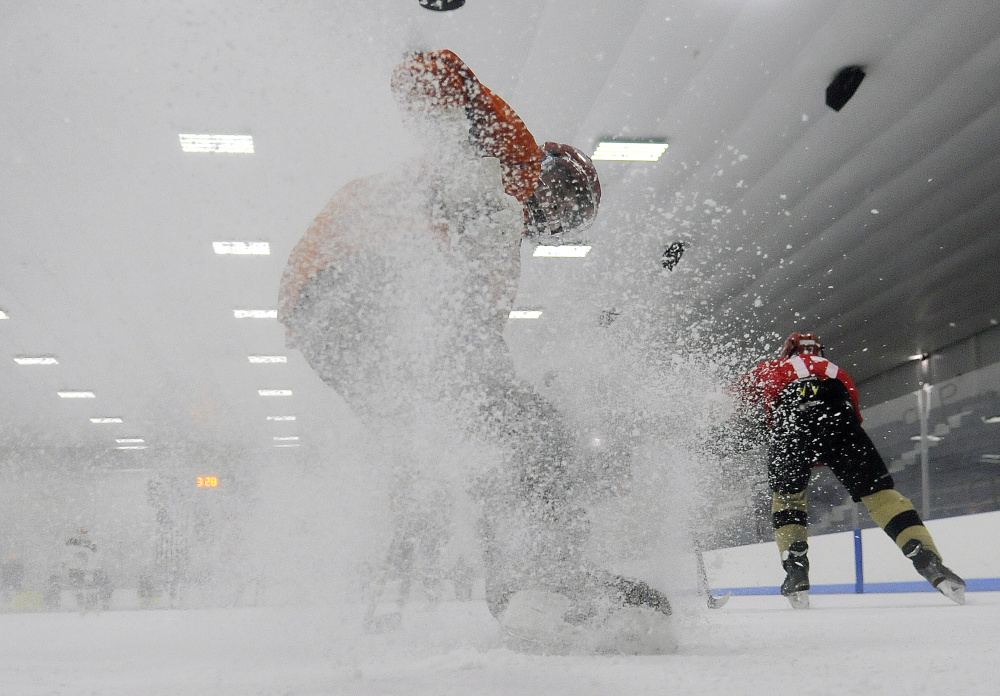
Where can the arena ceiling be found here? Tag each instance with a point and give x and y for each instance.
(876, 226)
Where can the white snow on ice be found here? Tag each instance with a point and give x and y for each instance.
(845, 644)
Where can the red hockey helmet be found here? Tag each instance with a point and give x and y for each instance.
(807, 343)
(568, 192)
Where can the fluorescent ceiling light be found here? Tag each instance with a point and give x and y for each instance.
(283, 439)
(132, 447)
(36, 360)
(111, 419)
(229, 144)
(259, 359)
(525, 314)
(930, 438)
(255, 313)
(129, 440)
(242, 248)
(992, 419)
(564, 251)
(76, 394)
(286, 445)
(281, 418)
(274, 392)
(633, 152)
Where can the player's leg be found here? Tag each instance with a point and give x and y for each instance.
(859, 466)
(533, 531)
(789, 468)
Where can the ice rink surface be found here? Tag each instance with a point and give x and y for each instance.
(845, 644)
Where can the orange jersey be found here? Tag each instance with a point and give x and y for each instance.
(440, 79)
(428, 82)
(328, 240)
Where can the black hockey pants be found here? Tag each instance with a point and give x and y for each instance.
(815, 423)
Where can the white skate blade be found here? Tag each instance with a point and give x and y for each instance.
(799, 600)
(952, 590)
(715, 602)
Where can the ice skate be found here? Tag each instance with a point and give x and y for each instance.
(937, 574)
(796, 584)
(535, 622)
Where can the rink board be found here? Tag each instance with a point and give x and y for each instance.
(845, 563)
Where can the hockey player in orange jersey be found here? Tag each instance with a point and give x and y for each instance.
(397, 297)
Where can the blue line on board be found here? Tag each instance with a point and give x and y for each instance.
(973, 585)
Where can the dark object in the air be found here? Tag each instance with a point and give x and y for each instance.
(843, 87)
(442, 5)
(607, 317)
(672, 255)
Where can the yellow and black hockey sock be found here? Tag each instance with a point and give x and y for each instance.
(895, 514)
(789, 516)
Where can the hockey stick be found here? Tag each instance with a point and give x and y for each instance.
(713, 601)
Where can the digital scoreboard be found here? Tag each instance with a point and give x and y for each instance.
(208, 482)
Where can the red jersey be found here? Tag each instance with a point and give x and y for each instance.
(764, 383)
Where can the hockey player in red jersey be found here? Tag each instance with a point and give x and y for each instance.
(813, 418)
(397, 297)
